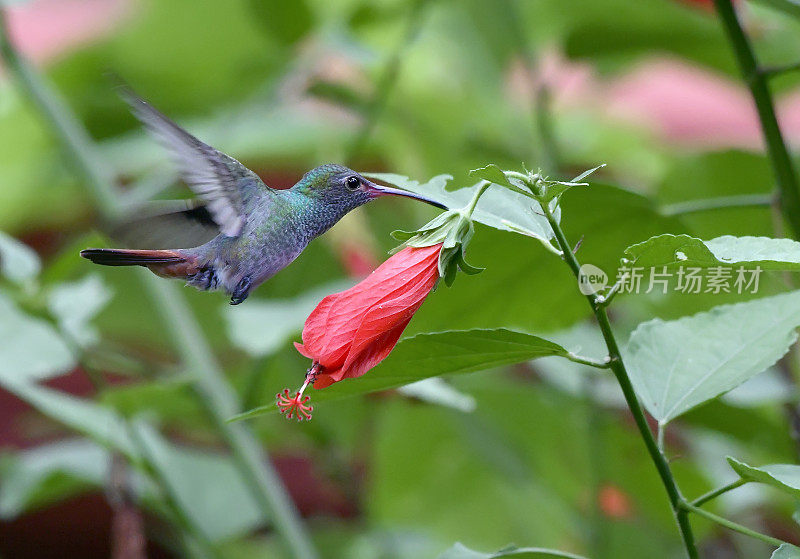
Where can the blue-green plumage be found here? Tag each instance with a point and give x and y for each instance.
(261, 230)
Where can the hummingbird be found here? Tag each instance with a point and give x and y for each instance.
(257, 230)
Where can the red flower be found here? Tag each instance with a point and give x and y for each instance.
(352, 331)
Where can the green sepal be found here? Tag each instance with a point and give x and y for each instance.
(450, 275)
(495, 175)
(552, 190)
(466, 267)
(452, 229)
(585, 174)
(451, 260)
(532, 185)
(400, 235)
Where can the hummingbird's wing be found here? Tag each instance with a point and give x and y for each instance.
(223, 182)
(174, 224)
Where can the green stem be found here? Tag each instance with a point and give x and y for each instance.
(596, 454)
(723, 202)
(216, 394)
(74, 138)
(770, 71)
(621, 374)
(759, 89)
(386, 82)
(201, 548)
(756, 78)
(541, 104)
(596, 363)
(606, 298)
(221, 404)
(483, 187)
(717, 492)
(732, 525)
(545, 128)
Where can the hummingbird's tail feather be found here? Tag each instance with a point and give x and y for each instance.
(126, 257)
(165, 263)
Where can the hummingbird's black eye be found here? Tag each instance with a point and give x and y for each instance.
(352, 182)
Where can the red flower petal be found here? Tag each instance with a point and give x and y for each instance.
(350, 332)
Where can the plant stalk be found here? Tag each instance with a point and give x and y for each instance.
(713, 494)
(386, 82)
(215, 393)
(732, 525)
(470, 208)
(723, 202)
(596, 363)
(618, 368)
(756, 80)
(770, 71)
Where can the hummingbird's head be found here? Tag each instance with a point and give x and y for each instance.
(343, 189)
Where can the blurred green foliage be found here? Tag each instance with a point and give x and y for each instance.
(284, 86)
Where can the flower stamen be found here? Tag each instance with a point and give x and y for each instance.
(296, 406)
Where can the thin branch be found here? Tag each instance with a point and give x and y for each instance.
(73, 136)
(596, 363)
(202, 547)
(127, 527)
(541, 103)
(660, 433)
(702, 499)
(387, 81)
(216, 394)
(778, 154)
(772, 71)
(756, 78)
(605, 299)
(621, 374)
(732, 525)
(127, 531)
(723, 202)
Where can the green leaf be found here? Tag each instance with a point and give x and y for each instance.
(616, 218)
(431, 355)
(680, 364)
(716, 175)
(76, 304)
(49, 473)
(767, 253)
(264, 326)
(613, 33)
(498, 208)
(170, 399)
(494, 174)
(785, 477)
(18, 262)
(31, 348)
(436, 390)
(222, 509)
(786, 551)
(789, 7)
(84, 416)
(286, 22)
(459, 551)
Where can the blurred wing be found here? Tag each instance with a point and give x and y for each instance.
(220, 180)
(177, 224)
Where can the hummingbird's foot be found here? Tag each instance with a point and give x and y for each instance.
(241, 292)
(206, 280)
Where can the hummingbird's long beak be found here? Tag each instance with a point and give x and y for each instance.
(380, 190)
